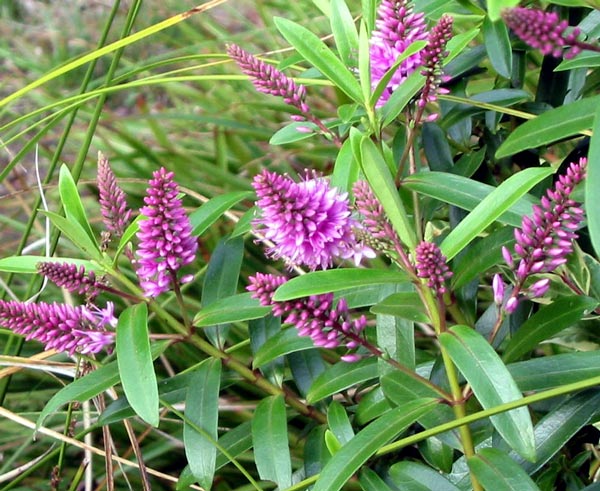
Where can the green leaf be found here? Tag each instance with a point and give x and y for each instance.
(90, 385)
(344, 31)
(76, 234)
(382, 184)
(586, 59)
(28, 264)
(370, 481)
(260, 332)
(214, 208)
(414, 476)
(491, 208)
(556, 124)
(364, 66)
(371, 406)
(497, 45)
(293, 132)
(401, 97)
(334, 280)
(341, 376)
(128, 234)
(69, 196)
(339, 423)
(357, 451)
(553, 371)
(495, 7)
(346, 168)
(202, 413)
(464, 193)
(496, 470)
(406, 305)
(546, 322)
(320, 56)
(240, 307)
(135, 363)
(269, 434)
(235, 441)
(492, 384)
(592, 182)
(280, 344)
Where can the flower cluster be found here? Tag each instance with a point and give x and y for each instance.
(165, 237)
(543, 31)
(113, 206)
(433, 55)
(430, 264)
(60, 326)
(546, 239)
(327, 325)
(397, 28)
(308, 222)
(69, 276)
(374, 220)
(268, 80)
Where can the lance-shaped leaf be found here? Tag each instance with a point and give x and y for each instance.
(495, 470)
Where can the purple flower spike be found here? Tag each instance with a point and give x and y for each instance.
(69, 276)
(543, 31)
(431, 265)
(397, 28)
(433, 56)
(268, 80)
(327, 325)
(546, 238)
(113, 206)
(308, 222)
(59, 326)
(165, 235)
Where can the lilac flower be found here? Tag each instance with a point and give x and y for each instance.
(433, 55)
(327, 325)
(397, 28)
(113, 206)
(59, 326)
(69, 276)
(268, 80)
(498, 289)
(544, 31)
(546, 239)
(165, 235)
(431, 265)
(308, 222)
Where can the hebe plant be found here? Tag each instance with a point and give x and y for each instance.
(409, 323)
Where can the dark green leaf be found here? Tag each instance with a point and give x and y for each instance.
(341, 376)
(586, 59)
(320, 56)
(334, 280)
(339, 423)
(202, 413)
(371, 406)
(213, 209)
(346, 168)
(401, 97)
(270, 439)
(546, 322)
(135, 363)
(236, 308)
(280, 344)
(406, 305)
(495, 470)
(556, 124)
(492, 384)
(497, 44)
(357, 451)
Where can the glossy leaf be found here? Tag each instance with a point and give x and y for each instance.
(270, 439)
(76, 234)
(405, 305)
(357, 451)
(464, 193)
(382, 184)
(236, 441)
(320, 56)
(556, 124)
(282, 343)
(339, 423)
(214, 208)
(497, 45)
(414, 476)
(491, 208)
(306, 367)
(240, 307)
(370, 481)
(341, 376)
(135, 363)
(546, 322)
(371, 406)
(344, 31)
(69, 196)
(202, 413)
(28, 264)
(592, 183)
(492, 385)
(335, 280)
(346, 168)
(495, 470)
